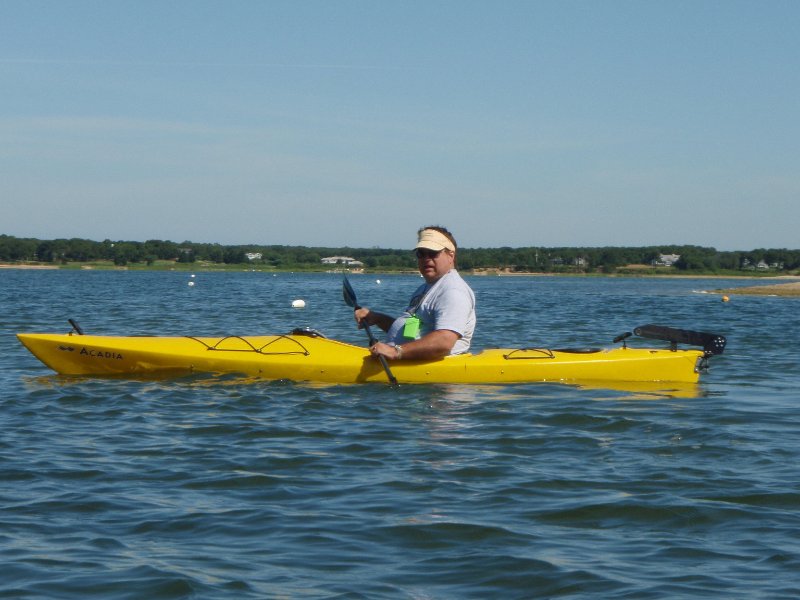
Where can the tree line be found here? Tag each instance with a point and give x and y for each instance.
(528, 259)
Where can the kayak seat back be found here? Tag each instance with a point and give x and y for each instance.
(711, 343)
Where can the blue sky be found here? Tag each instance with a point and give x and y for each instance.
(334, 123)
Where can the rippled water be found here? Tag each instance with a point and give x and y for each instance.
(219, 487)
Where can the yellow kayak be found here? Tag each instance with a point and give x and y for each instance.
(305, 355)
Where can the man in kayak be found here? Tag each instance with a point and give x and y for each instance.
(440, 317)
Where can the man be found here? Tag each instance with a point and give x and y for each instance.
(440, 317)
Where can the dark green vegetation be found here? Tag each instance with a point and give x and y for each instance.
(166, 254)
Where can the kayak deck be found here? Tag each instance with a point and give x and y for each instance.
(318, 359)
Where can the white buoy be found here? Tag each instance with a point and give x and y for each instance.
(191, 283)
(298, 303)
(378, 281)
(192, 275)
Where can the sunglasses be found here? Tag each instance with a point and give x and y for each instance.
(424, 253)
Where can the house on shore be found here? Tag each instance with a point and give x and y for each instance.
(666, 260)
(345, 261)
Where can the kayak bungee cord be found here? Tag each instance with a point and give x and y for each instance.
(215, 347)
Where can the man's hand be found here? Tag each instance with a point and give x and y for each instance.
(362, 317)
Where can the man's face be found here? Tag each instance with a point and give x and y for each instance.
(434, 264)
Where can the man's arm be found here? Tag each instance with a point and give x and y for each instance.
(436, 344)
(365, 315)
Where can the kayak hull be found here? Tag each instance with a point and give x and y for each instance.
(318, 359)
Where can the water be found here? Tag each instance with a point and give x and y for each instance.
(218, 487)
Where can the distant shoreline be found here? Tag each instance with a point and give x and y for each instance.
(639, 276)
(475, 273)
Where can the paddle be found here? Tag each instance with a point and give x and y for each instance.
(350, 299)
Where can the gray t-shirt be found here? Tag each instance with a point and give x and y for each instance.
(448, 303)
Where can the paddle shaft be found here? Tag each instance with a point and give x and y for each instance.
(381, 357)
(350, 299)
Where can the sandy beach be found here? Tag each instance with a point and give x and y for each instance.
(779, 289)
(21, 266)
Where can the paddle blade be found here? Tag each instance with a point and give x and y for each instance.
(349, 293)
